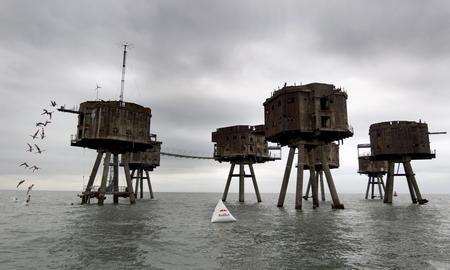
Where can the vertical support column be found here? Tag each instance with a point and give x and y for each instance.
(299, 186)
(287, 173)
(368, 188)
(86, 194)
(308, 188)
(312, 177)
(241, 182)
(389, 183)
(136, 181)
(326, 169)
(255, 185)
(116, 178)
(373, 188)
(149, 185)
(410, 174)
(322, 187)
(126, 169)
(102, 189)
(227, 185)
(141, 181)
(379, 178)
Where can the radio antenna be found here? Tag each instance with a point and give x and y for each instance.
(122, 82)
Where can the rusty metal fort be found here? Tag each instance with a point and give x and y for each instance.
(311, 120)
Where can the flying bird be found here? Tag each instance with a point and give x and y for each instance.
(34, 168)
(29, 189)
(24, 164)
(53, 103)
(35, 134)
(46, 112)
(20, 183)
(38, 150)
(42, 134)
(40, 124)
(30, 148)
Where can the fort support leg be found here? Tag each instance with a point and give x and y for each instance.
(299, 186)
(368, 188)
(287, 173)
(85, 197)
(126, 169)
(136, 182)
(383, 185)
(389, 183)
(116, 178)
(102, 189)
(227, 185)
(308, 188)
(326, 169)
(312, 179)
(322, 187)
(142, 186)
(380, 190)
(149, 185)
(412, 192)
(410, 174)
(373, 188)
(241, 182)
(255, 185)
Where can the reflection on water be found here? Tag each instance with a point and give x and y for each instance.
(174, 232)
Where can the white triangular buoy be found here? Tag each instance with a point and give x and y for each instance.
(221, 214)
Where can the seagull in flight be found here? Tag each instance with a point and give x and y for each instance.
(46, 112)
(38, 150)
(30, 148)
(20, 183)
(29, 189)
(53, 103)
(34, 168)
(24, 164)
(42, 134)
(40, 124)
(35, 134)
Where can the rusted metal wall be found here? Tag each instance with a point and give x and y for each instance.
(366, 165)
(332, 150)
(311, 111)
(110, 121)
(148, 159)
(391, 140)
(239, 142)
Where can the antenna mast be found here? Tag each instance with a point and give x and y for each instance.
(122, 82)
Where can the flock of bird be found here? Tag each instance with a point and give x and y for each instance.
(34, 147)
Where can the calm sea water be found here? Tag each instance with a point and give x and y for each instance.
(174, 232)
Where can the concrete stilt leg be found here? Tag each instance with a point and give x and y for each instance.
(287, 173)
(116, 178)
(255, 185)
(241, 182)
(126, 169)
(136, 181)
(326, 169)
(410, 174)
(389, 183)
(227, 185)
(312, 179)
(141, 180)
(380, 190)
(102, 189)
(308, 188)
(86, 194)
(368, 188)
(149, 185)
(299, 186)
(373, 188)
(322, 187)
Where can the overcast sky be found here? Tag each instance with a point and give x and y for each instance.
(201, 65)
